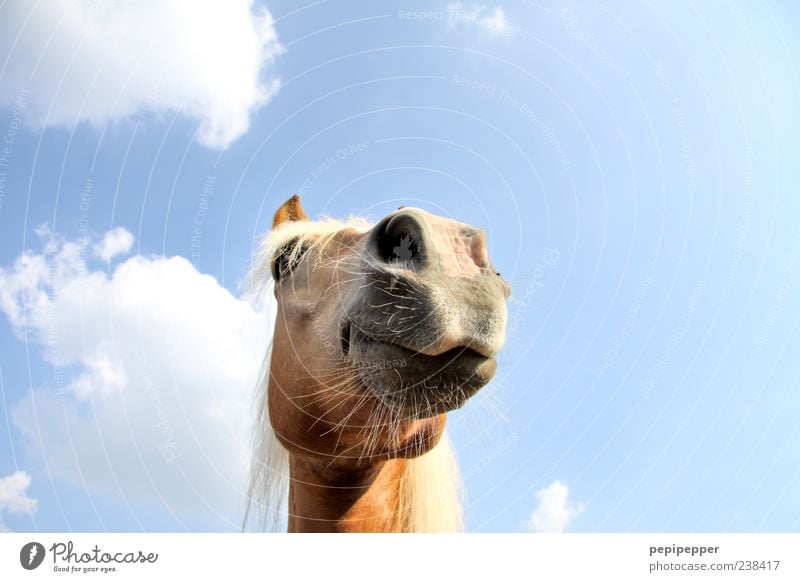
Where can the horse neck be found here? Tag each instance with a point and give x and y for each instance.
(351, 498)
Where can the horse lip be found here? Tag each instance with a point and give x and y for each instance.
(431, 350)
(415, 352)
(434, 351)
(462, 358)
(444, 382)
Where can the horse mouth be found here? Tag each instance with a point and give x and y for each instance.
(410, 382)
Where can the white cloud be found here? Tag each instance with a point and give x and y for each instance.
(115, 242)
(555, 511)
(491, 21)
(102, 377)
(154, 368)
(92, 60)
(13, 497)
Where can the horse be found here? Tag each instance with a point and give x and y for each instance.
(380, 331)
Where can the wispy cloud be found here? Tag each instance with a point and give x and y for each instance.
(95, 61)
(490, 20)
(555, 511)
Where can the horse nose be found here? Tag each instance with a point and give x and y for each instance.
(400, 238)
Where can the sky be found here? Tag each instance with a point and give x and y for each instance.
(634, 167)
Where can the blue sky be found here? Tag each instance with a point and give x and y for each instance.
(634, 167)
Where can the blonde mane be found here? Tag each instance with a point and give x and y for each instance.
(431, 489)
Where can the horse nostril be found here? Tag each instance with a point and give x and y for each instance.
(400, 239)
(344, 337)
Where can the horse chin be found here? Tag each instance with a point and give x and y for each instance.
(416, 385)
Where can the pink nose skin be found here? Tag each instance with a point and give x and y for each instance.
(460, 250)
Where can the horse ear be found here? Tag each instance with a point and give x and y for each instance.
(290, 210)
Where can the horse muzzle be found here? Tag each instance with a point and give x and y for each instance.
(413, 383)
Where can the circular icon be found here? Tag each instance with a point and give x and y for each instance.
(31, 555)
